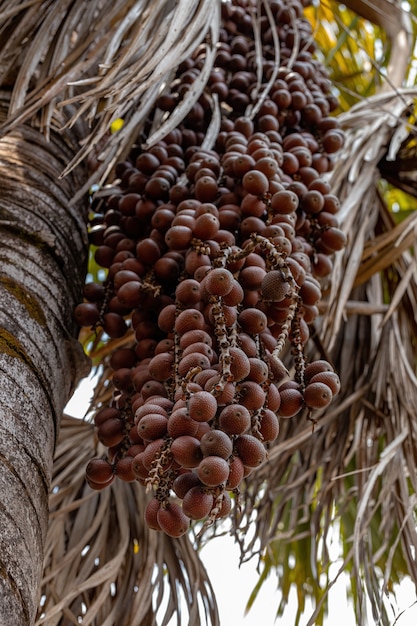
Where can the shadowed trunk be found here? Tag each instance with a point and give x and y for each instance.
(43, 248)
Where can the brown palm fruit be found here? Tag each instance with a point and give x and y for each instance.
(178, 237)
(100, 486)
(188, 292)
(201, 348)
(239, 364)
(269, 428)
(150, 452)
(190, 319)
(252, 224)
(184, 482)
(317, 395)
(124, 469)
(259, 372)
(180, 402)
(333, 238)
(192, 361)
(161, 366)
(219, 282)
(173, 520)
(180, 395)
(252, 321)
(122, 357)
(250, 450)
(206, 226)
(152, 426)
(195, 260)
(106, 413)
(292, 402)
(216, 443)
(202, 406)
(99, 471)
(122, 379)
(195, 336)
(161, 401)
(248, 345)
(140, 376)
(150, 408)
(331, 379)
(235, 474)
(213, 471)
(203, 428)
(235, 295)
(86, 314)
(251, 277)
(315, 367)
(234, 419)
(114, 325)
(274, 287)
(186, 451)
(145, 348)
(310, 292)
(297, 270)
(277, 367)
(180, 423)
(111, 432)
(273, 398)
(255, 182)
(251, 395)
(225, 395)
(197, 504)
(166, 319)
(151, 514)
(135, 449)
(204, 376)
(141, 472)
(153, 388)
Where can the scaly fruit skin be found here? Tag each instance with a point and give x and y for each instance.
(173, 520)
(215, 257)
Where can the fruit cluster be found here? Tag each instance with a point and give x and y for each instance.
(215, 257)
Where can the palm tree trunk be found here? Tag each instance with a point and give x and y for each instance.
(43, 248)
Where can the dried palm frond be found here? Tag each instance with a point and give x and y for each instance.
(108, 58)
(356, 468)
(102, 563)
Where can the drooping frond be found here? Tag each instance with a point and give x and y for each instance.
(102, 563)
(109, 58)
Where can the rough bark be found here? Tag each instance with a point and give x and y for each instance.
(43, 251)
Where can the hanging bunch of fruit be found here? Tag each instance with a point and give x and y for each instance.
(216, 255)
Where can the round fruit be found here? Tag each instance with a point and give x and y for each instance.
(219, 282)
(216, 443)
(213, 471)
(274, 287)
(172, 520)
(234, 419)
(202, 406)
(291, 402)
(250, 450)
(196, 503)
(317, 395)
(99, 471)
(186, 451)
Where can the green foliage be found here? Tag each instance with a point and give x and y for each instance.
(355, 51)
